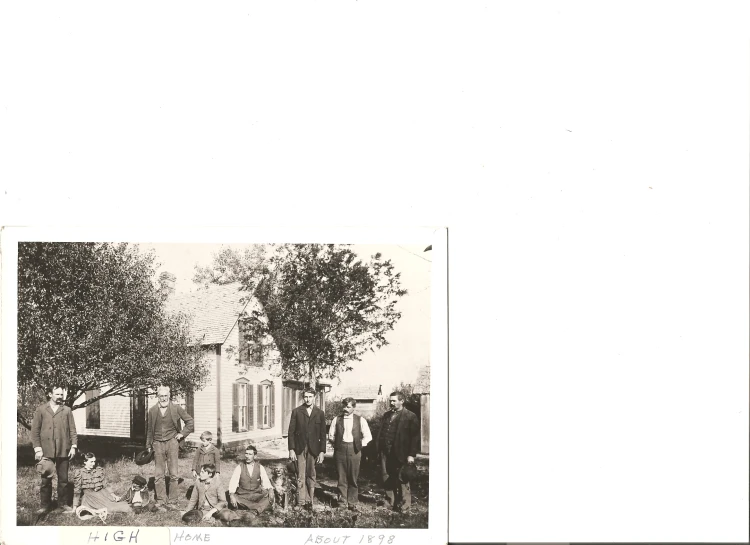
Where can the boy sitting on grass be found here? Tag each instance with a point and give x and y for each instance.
(207, 495)
(138, 496)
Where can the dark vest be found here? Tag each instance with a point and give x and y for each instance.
(356, 433)
(250, 484)
(164, 429)
(389, 432)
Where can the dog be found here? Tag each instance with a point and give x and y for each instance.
(282, 487)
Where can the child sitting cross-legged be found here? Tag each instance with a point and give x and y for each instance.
(208, 495)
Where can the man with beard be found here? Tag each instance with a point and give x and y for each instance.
(163, 435)
(397, 445)
(54, 437)
(307, 445)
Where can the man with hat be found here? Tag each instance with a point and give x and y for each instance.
(54, 437)
(349, 433)
(163, 434)
(249, 486)
(397, 445)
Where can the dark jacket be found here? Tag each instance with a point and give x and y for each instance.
(406, 441)
(307, 431)
(177, 413)
(203, 457)
(55, 432)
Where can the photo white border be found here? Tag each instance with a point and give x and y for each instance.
(437, 531)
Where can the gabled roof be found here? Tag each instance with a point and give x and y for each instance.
(362, 392)
(214, 310)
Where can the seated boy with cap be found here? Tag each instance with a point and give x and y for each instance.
(137, 495)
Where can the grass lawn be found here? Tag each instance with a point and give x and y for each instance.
(120, 469)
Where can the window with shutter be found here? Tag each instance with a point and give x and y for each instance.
(93, 420)
(249, 408)
(265, 419)
(272, 405)
(261, 414)
(242, 410)
(235, 407)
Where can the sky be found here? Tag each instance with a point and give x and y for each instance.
(409, 342)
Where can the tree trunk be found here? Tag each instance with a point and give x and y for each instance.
(23, 422)
(311, 376)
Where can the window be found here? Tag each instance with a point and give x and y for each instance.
(242, 406)
(93, 420)
(256, 354)
(266, 405)
(250, 351)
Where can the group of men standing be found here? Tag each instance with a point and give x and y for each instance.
(54, 437)
(397, 444)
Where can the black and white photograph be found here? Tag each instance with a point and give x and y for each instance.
(371, 272)
(241, 385)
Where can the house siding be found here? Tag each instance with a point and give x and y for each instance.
(204, 403)
(230, 372)
(212, 406)
(114, 417)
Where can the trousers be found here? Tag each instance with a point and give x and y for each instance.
(165, 458)
(347, 465)
(64, 490)
(397, 493)
(305, 477)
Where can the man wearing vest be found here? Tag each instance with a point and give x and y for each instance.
(348, 433)
(397, 444)
(249, 485)
(307, 445)
(163, 435)
(53, 435)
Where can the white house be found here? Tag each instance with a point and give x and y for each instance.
(243, 399)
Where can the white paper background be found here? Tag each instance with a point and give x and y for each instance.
(589, 158)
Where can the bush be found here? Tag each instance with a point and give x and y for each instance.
(333, 409)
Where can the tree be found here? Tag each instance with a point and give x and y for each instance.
(230, 265)
(322, 306)
(89, 316)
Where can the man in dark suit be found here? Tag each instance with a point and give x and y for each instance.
(163, 434)
(307, 445)
(397, 444)
(53, 435)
